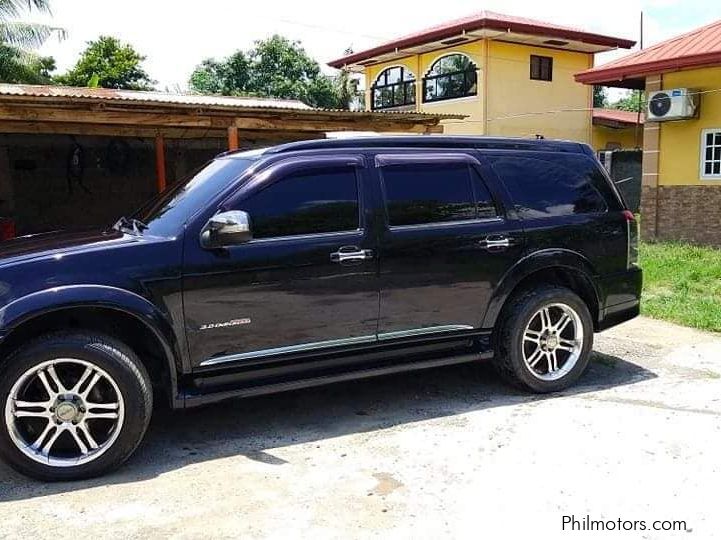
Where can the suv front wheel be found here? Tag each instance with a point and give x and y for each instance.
(544, 340)
(75, 405)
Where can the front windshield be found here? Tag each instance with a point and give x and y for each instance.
(167, 213)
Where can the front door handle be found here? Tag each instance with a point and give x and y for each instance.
(496, 243)
(351, 253)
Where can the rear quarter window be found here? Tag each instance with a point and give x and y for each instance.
(545, 186)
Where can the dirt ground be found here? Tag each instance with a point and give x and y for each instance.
(447, 452)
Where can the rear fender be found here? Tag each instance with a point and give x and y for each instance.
(546, 259)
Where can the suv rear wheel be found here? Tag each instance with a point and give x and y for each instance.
(545, 339)
(74, 406)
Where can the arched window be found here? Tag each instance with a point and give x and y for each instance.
(451, 76)
(394, 87)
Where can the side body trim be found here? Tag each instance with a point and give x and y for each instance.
(334, 343)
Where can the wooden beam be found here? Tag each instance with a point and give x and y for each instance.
(317, 123)
(232, 138)
(160, 162)
(45, 114)
(362, 124)
(66, 128)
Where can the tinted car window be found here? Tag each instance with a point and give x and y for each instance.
(428, 193)
(167, 213)
(305, 203)
(541, 187)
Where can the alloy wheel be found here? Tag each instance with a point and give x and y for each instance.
(64, 412)
(552, 341)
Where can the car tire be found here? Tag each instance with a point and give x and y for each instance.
(544, 339)
(93, 404)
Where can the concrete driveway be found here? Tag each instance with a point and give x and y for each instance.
(442, 453)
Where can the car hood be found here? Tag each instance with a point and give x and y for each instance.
(58, 242)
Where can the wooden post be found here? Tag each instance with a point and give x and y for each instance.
(232, 138)
(160, 161)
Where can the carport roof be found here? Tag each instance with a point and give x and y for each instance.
(112, 94)
(102, 111)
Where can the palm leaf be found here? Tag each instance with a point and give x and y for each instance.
(13, 8)
(30, 35)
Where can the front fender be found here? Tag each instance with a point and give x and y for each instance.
(46, 301)
(544, 259)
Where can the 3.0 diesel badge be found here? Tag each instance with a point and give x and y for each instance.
(234, 322)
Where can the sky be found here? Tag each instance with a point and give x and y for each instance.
(176, 35)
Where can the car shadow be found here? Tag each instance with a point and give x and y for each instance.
(254, 427)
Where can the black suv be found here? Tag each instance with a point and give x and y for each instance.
(306, 264)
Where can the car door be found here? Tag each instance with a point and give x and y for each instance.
(307, 281)
(446, 243)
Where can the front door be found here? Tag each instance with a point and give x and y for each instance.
(446, 245)
(307, 281)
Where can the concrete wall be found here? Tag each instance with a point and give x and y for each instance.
(603, 137)
(677, 203)
(37, 191)
(518, 106)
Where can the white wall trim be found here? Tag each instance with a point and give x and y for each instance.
(702, 156)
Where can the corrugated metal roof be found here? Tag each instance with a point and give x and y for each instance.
(227, 103)
(154, 97)
(615, 115)
(477, 21)
(700, 47)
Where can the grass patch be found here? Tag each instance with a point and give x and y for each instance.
(682, 284)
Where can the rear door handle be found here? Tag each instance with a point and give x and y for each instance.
(496, 243)
(351, 253)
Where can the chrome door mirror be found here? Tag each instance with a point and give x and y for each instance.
(226, 229)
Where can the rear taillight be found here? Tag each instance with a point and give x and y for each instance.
(632, 228)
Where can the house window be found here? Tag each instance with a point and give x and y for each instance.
(711, 153)
(541, 68)
(451, 76)
(394, 87)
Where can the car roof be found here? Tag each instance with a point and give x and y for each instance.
(431, 141)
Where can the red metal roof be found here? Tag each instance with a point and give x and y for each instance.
(616, 116)
(700, 47)
(485, 19)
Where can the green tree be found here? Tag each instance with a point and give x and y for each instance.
(600, 99)
(17, 63)
(349, 97)
(631, 102)
(228, 77)
(18, 66)
(274, 67)
(109, 63)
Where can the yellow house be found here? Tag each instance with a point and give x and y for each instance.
(511, 76)
(681, 183)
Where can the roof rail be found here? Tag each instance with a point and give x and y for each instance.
(431, 141)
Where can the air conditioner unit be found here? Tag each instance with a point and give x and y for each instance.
(676, 104)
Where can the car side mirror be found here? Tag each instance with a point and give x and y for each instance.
(226, 229)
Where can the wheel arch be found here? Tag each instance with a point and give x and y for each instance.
(116, 312)
(554, 266)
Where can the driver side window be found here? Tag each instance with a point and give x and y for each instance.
(313, 202)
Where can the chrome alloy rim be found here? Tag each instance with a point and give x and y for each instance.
(64, 412)
(552, 342)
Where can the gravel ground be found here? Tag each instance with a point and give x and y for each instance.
(448, 452)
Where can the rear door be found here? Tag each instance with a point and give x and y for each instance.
(445, 244)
